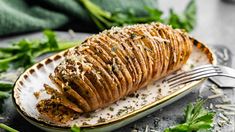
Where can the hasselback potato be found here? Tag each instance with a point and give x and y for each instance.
(115, 63)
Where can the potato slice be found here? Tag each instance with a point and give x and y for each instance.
(85, 91)
(171, 46)
(60, 99)
(71, 94)
(130, 57)
(141, 61)
(118, 48)
(122, 67)
(96, 73)
(112, 66)
(112, 86)
(146, 49)
(153, 45)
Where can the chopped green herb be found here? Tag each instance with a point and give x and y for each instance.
(101, 120)
(191, 66)
(133, 36)
(114, 49)
(111, 108)
(120, 111)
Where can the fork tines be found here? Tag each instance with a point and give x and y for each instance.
(195, 74)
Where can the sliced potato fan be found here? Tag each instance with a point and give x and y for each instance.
(115, 63)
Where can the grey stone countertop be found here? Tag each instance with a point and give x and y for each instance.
(215, 27)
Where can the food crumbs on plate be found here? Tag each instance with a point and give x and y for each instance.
(100, 120)
(55, 112)
(36, 94)
(85, 123)
(131, 95)
(120, 111)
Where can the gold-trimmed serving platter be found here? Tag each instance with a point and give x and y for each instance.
(149, 99)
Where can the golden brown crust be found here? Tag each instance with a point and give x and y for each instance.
(117, 62)
(60, 99)
(71, 94)
(112, 66)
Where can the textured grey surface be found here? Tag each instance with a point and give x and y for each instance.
(216, 26)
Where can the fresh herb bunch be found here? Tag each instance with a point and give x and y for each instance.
(196, 119)
(24, 52)
(105, 19)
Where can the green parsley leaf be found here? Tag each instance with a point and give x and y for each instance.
(196, 118)
(4, 95)
(5, 86)
(190, 14)
(75, 129)
(185, 21)
(51, 39)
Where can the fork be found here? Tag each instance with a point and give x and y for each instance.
(199, 73)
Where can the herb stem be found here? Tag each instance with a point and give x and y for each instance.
(98, 14)
(5, 86)
(10, 58)
(7, 128)
(4, 95)
(62, 46)
(66, 45)
(9, 49)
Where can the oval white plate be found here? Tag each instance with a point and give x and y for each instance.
(124, 111)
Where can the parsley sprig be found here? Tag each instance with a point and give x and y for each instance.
(197, 118)
(74, 128)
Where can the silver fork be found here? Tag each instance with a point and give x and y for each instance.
(199, 73)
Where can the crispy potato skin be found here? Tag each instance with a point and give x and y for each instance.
(119, 61)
